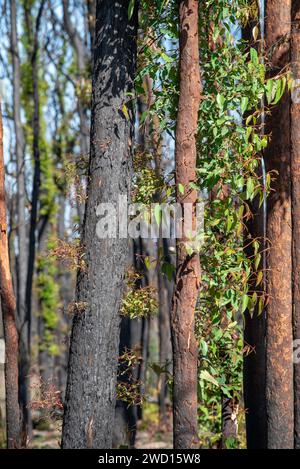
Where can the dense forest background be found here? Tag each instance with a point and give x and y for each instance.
(150, 342)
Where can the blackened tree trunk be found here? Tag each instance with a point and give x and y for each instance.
(126, 415)
(92, 370)
(185, 349)
(21, 222)
(295, 173)
(255, 323)
(164, 339)
(279, 366)
(230, 407)
(255, 343)
(8, 305)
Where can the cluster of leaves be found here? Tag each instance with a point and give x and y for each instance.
(47, 400)
(128, 387)
(69, 253)
(139, 301)
(230, 142)
(147, 183)
(158, 61)
(48, 296)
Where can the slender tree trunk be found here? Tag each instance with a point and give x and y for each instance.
(83, 62)
(24, 364)
(165, 346)
(91, 11)
(2, 381)
(8, 304)
(185, 349)
(255, 324)
(295, 173)
(36, 159)
(126, 415)
(255, 341)
(164, 340)
(45, 358)
(279, 366)
(92, 371)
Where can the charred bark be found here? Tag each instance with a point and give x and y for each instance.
(255, 342)
(92, 371)
(255, 323)
(230, 407)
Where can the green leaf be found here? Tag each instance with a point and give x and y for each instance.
(220, 100)
(257, 259)
(270, 90)
(157, 213)
(256, 246)
(131, 9)
(259, 277)
(261, 304)
(254, 56)
(250, 188)
(168, 269)
(125, 111)
(244, 104)
(279, 90)
(204, 347)
(206, 376)
(147, 262)
(181, 188)
(245, 301)
(194, 186)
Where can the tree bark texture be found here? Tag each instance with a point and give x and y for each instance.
(92, 371)
(21, 223)
(255, 324)
(279, 366)
(8, 305)
(35, 195)
(255, 341)
(185, 349)
(295, 173)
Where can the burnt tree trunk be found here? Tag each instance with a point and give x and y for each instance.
(279, 336)
(185, 348)
(8, 305)
(255, 323)
(92, 371)
(126, 415)
(230, 408)
(295, 173)
(255, 342)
